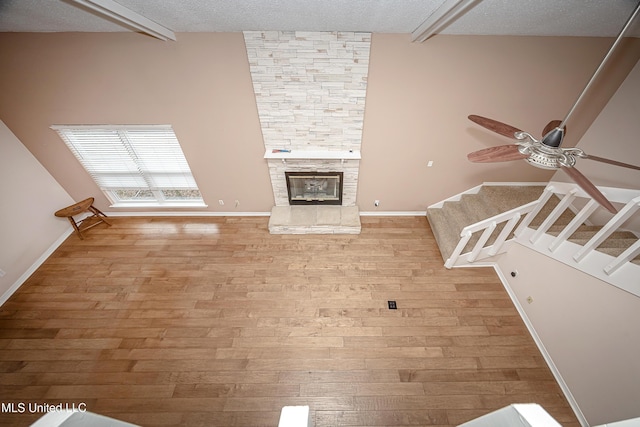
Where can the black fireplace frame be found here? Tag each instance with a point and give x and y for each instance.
(315, 201)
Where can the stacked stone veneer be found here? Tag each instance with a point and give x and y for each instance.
(310, 90)
(349, 178)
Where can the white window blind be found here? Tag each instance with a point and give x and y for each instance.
(123, 159)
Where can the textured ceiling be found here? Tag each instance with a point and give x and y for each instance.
(487, 17)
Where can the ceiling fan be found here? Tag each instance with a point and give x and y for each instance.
(546, 152)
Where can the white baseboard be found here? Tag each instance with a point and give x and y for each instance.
(23, 278)
(393, 213)
(218, 214)
(181, 213)
(516, 184)
(456, 197)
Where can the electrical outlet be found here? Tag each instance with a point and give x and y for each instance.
(430, 163)
(221, 202)
(2, 273)
(237, 203)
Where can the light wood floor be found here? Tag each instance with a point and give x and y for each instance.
(215, 322)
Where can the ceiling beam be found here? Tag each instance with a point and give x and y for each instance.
(128, 17)
(445, 14)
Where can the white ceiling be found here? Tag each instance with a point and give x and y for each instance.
(487, 17)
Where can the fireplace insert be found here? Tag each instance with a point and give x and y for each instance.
(314, 188)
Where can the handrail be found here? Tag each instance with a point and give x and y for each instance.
(614, 194)
(488, 225)
(620, 271)
(481, 225)
(542, 242)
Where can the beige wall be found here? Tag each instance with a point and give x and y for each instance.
(30, 196)
(589, 328)
(615, 135)
(418, 98)
(200, 85)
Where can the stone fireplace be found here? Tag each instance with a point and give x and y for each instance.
(310, 90)
(314, 188)
(299, 162)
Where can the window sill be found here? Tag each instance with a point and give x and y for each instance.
(172, 205)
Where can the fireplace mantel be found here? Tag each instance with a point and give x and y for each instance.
(313, 155)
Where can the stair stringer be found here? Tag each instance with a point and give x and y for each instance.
(626, 277)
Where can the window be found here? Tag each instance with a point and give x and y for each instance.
(134, 165)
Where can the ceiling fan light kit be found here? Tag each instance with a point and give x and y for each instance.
(545, 156)
(546, 153)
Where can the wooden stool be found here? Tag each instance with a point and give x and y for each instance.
(84, 206)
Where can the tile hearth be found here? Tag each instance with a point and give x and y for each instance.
(315, 220)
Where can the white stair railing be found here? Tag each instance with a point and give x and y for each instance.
(580, 218)
(608, 229)
(619, 271)
(626, 256)
(487, 226)
(551, 219)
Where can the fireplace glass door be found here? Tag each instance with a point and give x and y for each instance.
(314, 188)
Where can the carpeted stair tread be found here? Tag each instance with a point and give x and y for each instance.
(584, 231)
(614, 245)
(477, 207)
(505, 198)
(442, 231)
(611, 243)
(616, 252)
(564, 219)
(447, 222)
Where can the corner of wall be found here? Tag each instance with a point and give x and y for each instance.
(33, 267)
(28, 227)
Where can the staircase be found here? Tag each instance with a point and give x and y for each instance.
(556, 220)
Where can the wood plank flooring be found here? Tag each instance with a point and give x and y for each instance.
(215, 322)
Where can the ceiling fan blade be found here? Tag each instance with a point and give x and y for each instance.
(495, 126)
(501, 153)
(551, 126)
(611, 162)
(589, 188)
